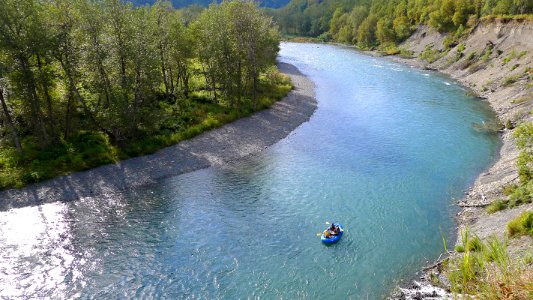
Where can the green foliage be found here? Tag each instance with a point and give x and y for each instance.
(521, 225)
(205, 3)
(366, 33)
(488, 272)
(497, 206)
(521, 54)
(83, 151)
(510, 80)
(486, 54)
(406, 53)
(506, 60)
(513, 55)
(325, 37)
(523, 192)
(461, 48)
(86, 83)
(371, 23)
(429, 54)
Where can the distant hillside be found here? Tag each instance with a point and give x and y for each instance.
(185, 3)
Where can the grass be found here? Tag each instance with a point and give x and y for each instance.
(520, 100)
(510, 80)
(461, 48)
(485, 55)
(497, 206)
(430, 55)
(89, 149)
(492, 18)
(404, 53)
(469, 61)
(521, 225)
(486, 271)
(512, 55)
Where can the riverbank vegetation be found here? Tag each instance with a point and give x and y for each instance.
(521, 225)
(522, 191)
(486, 270)
(381, 24)
(85, 83)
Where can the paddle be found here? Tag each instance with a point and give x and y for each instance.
(320, 233)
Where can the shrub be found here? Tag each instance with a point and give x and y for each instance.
(497, 206)
(474, 244)
(521, 225)
(488, 274)
(509, 124)
(461, 48)
(510, 80)
(325, 37)
(406, 53)
(506, 60)
(509, 188)
(486, 54)
(430, 55)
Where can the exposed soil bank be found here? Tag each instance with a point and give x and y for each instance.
(232, 141)
(495, 62)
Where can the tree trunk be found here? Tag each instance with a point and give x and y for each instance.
(239, 83)
(186, 84)
(99, 62)
(171, 79)
(163, 69)
(68, 116)
(10, 124)
(74, 89)
(35, 106)
(254, 90)
(46, 92)
(137, 100)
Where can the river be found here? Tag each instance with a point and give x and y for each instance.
(385, 154)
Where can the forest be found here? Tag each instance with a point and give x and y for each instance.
(85, 83)
(383, 23)
(205, 3)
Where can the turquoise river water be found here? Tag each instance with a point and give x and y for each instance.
(385, 154)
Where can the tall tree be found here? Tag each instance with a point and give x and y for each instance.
(21, 37)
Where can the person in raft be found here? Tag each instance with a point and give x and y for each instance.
(332, 231)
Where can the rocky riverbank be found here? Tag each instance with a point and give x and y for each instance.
(495, 61)
(236, 140)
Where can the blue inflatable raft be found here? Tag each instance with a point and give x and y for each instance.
(332, 239)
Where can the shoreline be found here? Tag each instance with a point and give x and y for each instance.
(487, 187)
(216, 147)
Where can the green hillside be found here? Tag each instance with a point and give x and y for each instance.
(371, 23)
(205, 3)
